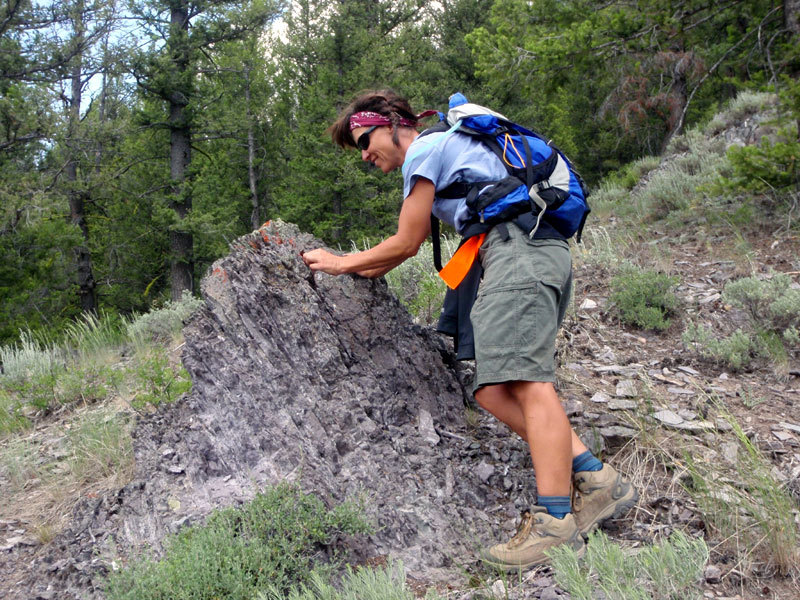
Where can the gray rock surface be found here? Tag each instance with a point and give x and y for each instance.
(316, 379)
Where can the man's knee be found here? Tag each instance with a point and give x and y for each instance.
(484, 398)
(533, 391)
(491, 395)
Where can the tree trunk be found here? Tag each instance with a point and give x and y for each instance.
(101, 111)
(679, 96)
(83, 259)
(791, 17)
(180, 154)
(255, 216)
(336, 209)
(791, 20)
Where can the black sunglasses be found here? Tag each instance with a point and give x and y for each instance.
(363, 140)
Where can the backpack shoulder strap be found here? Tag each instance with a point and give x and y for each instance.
(440, 126)
(435, 243)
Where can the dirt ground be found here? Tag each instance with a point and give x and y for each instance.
(605, 366)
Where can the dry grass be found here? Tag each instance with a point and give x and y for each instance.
(602, 247)
(44, 472)
(76, 442)
(749, 514)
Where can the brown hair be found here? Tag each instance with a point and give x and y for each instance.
(384, 102)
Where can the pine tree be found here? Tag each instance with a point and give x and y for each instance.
(170, 73)
(627, 75)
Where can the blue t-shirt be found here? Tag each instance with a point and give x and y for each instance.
(445, 159)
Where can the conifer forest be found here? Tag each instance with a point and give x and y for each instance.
(138, 138)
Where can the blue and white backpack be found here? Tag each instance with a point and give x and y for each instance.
(541, 180)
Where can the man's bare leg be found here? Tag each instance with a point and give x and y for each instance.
(534, 412)
(498, 400)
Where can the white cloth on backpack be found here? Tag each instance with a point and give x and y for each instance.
(448, 160)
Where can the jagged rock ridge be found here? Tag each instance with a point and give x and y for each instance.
(317, 379)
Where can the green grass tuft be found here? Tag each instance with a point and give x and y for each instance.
(670, 570)
(92, 335)
(386, 583)
(100, 447)
(748, 510)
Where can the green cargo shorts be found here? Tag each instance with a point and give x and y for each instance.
(520, 305)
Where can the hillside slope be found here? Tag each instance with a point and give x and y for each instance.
(327, 382)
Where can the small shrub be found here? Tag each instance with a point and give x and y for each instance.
(750, 400)
(773, 310)
(156, 381)
(668, 190)
(609, 198)
(734, 352)
(163, 324)
(86, 383)
(632, 173)
(418, 286)
(29, 358)
(39, 391)
(772, 304)
(766, 167)
(693, 163)
(644, 298)
(426, 306)
(267, 544)
(670, 570)
(769, 173)
(745, 104)
(11, 417)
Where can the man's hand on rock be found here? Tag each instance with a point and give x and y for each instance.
(322, 260)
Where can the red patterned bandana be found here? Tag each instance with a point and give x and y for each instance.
(368, 119)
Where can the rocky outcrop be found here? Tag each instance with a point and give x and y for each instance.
(317, 379)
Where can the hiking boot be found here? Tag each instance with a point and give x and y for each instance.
(537, 533)
(600, 495)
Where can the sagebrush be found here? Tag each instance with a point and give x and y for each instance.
(269, 544)
(644, 298)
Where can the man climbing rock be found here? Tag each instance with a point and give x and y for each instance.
(525, 280)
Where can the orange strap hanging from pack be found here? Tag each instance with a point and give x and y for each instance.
(459, 265)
